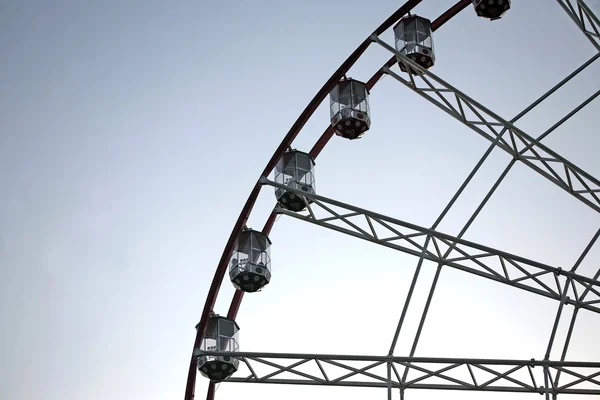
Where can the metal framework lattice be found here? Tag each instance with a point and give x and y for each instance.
(585, 19)
(561, 283)
(491, 126)
(445, 250)
(525, 376)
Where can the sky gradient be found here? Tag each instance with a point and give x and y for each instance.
(132, 132)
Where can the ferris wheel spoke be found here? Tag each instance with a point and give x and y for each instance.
(423, 318)
(480, 119)
(389, 377)
(429, 373)
(584, 18)
(570, 114)
(567, 342)
(409, 295)
(569, 283)
(553, 90)
(464, 185)
(448, 250)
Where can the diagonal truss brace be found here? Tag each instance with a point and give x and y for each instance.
(424, 372)
(480, 119)
(584, 18)
(447, 250)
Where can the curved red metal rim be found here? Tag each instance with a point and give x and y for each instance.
(314, 152)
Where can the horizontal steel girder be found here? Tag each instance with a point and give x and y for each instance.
(484, 261)
(494, 128)
(424, 372)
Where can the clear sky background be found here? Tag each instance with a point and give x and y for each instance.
(132, 132)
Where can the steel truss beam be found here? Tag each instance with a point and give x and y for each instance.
(519, 145)
(448, 250)
(424, 373)
(584, 18)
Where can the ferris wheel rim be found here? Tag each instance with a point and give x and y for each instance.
(314, 152)
(409, 64)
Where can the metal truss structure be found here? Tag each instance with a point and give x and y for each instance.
(445, 250)
(585, 19)
(558, 282)
(524, 376)
(491, 126)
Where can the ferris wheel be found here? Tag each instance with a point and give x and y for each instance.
(290, 175)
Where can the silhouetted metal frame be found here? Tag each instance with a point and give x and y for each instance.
(221, 269)
(506, 375)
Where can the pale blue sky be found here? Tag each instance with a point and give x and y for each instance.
(132, 132)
